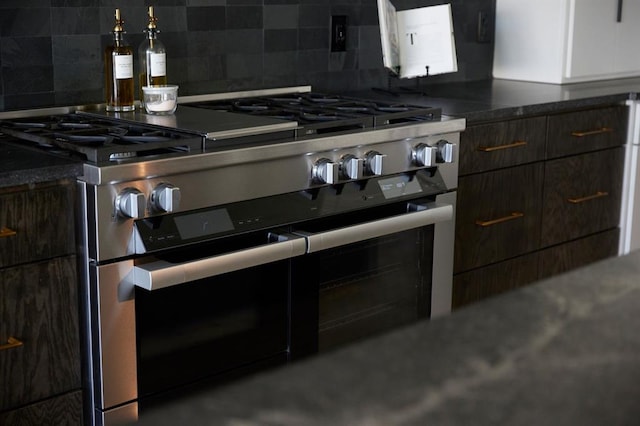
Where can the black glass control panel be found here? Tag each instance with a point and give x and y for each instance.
(178, 229)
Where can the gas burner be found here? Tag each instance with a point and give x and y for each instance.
(100, 140)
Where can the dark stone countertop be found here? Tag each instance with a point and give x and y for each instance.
(489, 100)
(565, 351)
(21, 166)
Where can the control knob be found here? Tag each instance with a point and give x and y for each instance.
(325, 171)
(446, 151)
(351, 166)
(165, 197)
(424, 155)
(373, 162)
(131, 203)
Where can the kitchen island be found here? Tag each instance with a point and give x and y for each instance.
(565, 351)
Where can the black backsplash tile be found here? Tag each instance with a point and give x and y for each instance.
(25, 51)
(51, 50)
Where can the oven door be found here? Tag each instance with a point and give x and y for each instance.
(369, 272)
(184, 317)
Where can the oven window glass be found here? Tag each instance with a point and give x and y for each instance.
(208, 327)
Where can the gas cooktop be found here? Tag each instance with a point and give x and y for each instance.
(208, 123)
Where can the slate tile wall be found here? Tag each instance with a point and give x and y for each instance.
(51, 50)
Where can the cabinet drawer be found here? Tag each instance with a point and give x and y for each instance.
(60, 410)
(584, 131)
(37, 223)
(498, 278)
(498, 145)
(574, 254)
(582, 195)
(498, 215)
(39, 307)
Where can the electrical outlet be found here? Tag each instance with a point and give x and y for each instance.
(338, 33)
(484, 30)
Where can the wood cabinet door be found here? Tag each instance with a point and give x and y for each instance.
(497, 215)
(38, 223)
(582, 195)
(584, 131)
(39, 307)
(494, 279)
(580, 252)
(498, 145)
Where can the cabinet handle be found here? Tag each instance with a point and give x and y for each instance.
(619, 18)
(598, 194)
(12, 342)
(592, 132)
(6, 232)
(499, 147)
(485, 223)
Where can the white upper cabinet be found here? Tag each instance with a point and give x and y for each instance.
(566, 41)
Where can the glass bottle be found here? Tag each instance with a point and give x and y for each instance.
(152, 56)
(118, 72)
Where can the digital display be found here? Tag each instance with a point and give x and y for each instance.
(204, 223)
(398, 186)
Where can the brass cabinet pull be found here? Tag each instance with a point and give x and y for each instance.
(6, 232)
(592, 132)
(12, 342)
(499, 147)
(598, 194)
(512, 216)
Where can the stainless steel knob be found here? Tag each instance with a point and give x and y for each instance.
(446, 151)
(351, 166)
(131, 203)
(373, 162)
(424, 155)
(165, 197)
(325, 171)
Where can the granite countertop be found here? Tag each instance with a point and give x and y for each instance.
(496, 99)
(22, 165)
(564, 351)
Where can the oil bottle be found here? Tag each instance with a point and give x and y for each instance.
(152, 56)
(118, 70)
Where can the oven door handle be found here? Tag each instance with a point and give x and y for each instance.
(421, 215)
(160, 273)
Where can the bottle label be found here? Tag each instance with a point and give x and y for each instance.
(123, 66)
(158, 64)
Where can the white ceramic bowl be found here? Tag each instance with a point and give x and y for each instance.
(160, 100)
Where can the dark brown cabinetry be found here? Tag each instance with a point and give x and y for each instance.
(536, 197)
(40, 379)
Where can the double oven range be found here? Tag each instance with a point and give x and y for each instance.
(249, 230)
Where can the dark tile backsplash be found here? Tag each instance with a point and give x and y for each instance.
(51, 50)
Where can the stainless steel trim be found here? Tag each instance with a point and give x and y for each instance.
(106, 174)
(434, 213)
(442, 275)
(160, 274)
(243, 94)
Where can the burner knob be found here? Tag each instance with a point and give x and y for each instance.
(373, 162)
(165, 197)
(131, 203)
(351, 166)
(424, 155)
(446, 151)
(325, 171)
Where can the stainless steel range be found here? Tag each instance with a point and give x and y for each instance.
(250, 230)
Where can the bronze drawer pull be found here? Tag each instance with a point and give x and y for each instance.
(12, 342)
(6, 232)
(485, 223)
(598, 194)
(499, 147)
(592, 132)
